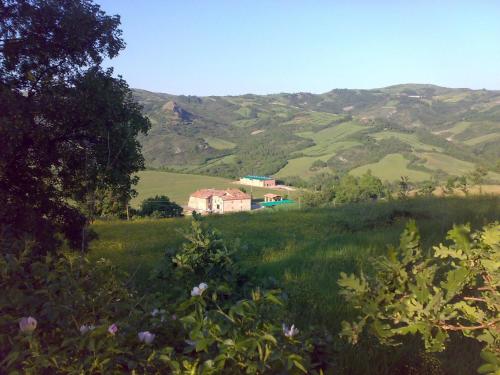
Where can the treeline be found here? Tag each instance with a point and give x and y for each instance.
(326, 189)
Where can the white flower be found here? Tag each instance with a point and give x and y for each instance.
(86, 328)
(155, 312)
(27, 324)
(198, 290)
(146, 337)
(290, 332)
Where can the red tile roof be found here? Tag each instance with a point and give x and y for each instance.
(227, 195)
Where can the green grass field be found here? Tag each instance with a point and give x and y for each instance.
(452, 165)
(178, 186)
(483, 138)
(391, 167)
(305, 250)
(219, 144)
(410, 139)
(300, 166)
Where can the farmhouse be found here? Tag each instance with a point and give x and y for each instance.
(220, 201)
(261, 181)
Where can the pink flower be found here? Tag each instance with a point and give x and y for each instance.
(146, 337)
(174, 317)
(112, 329)
(27, 324)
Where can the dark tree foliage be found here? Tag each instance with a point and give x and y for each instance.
(67, 127)
(160, 206)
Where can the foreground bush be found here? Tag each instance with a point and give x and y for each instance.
(65, 315)
(455, 288)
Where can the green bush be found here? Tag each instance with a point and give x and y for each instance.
(455, 288)
(62, 314)
(159, 207)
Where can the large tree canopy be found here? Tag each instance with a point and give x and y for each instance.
(67, 127)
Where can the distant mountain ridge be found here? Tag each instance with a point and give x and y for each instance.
(434, 130)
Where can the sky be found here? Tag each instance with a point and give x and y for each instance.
(233, 47)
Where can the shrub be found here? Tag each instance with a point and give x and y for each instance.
(453, 289)
(159, 207)
(63, 314)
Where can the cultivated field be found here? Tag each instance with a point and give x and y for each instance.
(305, 251)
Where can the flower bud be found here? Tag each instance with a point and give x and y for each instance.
(146, 337)
(112, 329)
(27, 324)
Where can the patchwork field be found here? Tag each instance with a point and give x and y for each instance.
(391, 168)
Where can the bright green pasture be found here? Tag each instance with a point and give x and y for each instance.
(332, 134)
(300, 166)
(178, 186)
(313, 119)
(219, 144)
(305, 251)
(483, 138)
(410, 139)
(458, 128)
(452, 165)
(391, 167)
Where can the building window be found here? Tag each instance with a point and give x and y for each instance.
(218, 206)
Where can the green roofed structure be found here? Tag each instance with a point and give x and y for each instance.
(276, 203)
(260, 181)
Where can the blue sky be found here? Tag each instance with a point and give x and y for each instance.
(210, 47)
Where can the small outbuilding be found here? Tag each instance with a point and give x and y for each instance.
(270, 197)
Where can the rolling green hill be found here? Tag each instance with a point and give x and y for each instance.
(350, 130)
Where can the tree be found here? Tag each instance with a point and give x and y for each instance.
(477, 176)
(404, 187)
(427, 187)
(455, 288)
(160, 206)
(463, 184)
(68, 127)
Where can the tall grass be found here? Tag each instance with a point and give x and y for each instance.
(305, 251)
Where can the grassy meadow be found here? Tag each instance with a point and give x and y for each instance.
(178, 186)
(305, 251)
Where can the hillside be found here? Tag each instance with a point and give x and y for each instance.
(415, 130)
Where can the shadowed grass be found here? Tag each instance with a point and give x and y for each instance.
(305, 250)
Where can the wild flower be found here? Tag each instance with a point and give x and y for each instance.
(146, 337)
(27, 324)
(198, 290)
(86, 328)
(112, 329)
(290, 332)
(174, 317)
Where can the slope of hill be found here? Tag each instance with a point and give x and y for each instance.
(284, 134)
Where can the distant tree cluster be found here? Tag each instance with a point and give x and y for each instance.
(160, 206)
